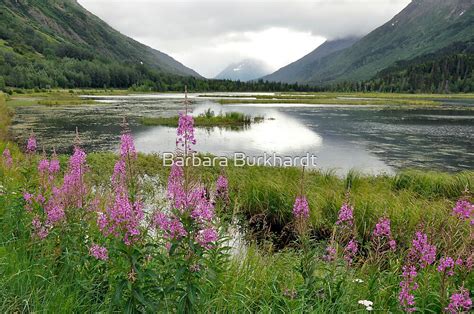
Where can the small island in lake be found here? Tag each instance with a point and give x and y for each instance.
(206, 119)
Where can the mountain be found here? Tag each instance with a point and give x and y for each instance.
(245, 70)
(66, 43)
(301, 69)
(423, 27)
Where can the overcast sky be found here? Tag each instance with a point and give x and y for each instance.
(208, 35)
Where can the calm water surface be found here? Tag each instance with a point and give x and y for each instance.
(367, 138)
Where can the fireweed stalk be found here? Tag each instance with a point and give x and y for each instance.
(382, 240)
(301, 211)
(454, 251)
(124, 245)
(187, 225)
(7, 159)
(420, 256)
(46, 204)
(31, 145)
(344, 234)
(222, 190)
(307, 265)
(59, 205)
(124, 212)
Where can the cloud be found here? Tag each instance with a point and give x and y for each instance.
(208, 35)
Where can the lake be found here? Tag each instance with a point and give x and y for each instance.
(371, 139)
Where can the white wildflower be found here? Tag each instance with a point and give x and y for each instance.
(368, 304)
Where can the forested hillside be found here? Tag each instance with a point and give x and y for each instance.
(446, 71)
(57, 43)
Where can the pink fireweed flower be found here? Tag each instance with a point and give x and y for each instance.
(55, 212)
(43, 166)
(196, 200)
(207, 236)
(7, 158)
(330, 254)
(422, 251)
(408, 285)
(464, 210)
(393, 244)
(119, 175)
(301, 208)
(39, 229)
(382, 228)
(54, 208)
(31, 145)
(202, 207)
(74, 188)
(122, 218)
(446, 264)
(175, 190)
(346, 215)
(171, 226)
(99, 252)
(40, 198)
(222, 187)
(28, 197)
(459, 302)
(102, 222)
(185, 132)
(469, 262)
(127, 147)
(351, 250)
(54, 165)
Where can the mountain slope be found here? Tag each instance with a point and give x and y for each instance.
(450, 69)
(424, 26)
(245, 70)
(300, 70)
(48, 32)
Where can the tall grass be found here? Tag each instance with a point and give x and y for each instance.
(262, 197)
(5, 117)
(264, 275)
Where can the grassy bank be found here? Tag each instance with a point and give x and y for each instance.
(207, 119)
(346, 98)
(265, 275)
(264, 196)
(53, 98)
(260, 278)
(5, 117)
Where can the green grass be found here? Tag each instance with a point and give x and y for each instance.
(207, 119)
(255, 280)
(5, 117)
(48, 99)
(337, 98)
(264, 196)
